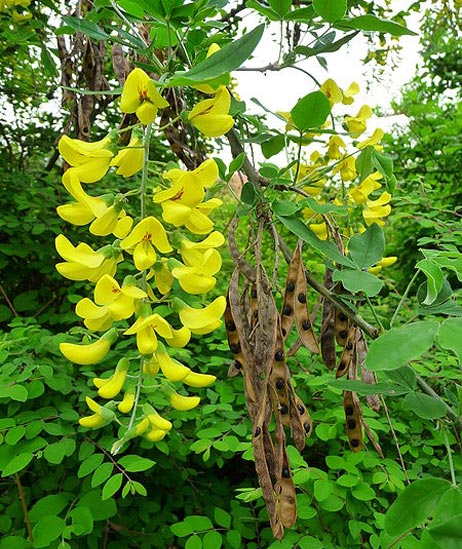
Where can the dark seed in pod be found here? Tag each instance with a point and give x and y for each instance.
(286, 472)
(307, 427)
(342, 365)
(257, 431)
(343, 334)
(301, 409)
(354, 442)
(306, 324)
(280, 383)
(302, 298)
(237, 364)
(349, 410)
(279, 355)
(290, 287)
(230, 326)
(283, 409)
(342, 317)
(283, 331)
(235, 348)
(287, 310)
(253, 293)
(351, 424)
(349, 346)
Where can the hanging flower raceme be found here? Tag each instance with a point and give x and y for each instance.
(140, 96)
(211, 116)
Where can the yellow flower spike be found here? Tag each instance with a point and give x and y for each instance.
(199, 279)
(195, 379)
(210, 116)
(331, 90)
(131, 159)
(183, 403)
(140, 96)
(146, 235)
(90, 161)
(334, 145)
(180, 337)
(356, 125)
(145, 329)
(171, 368)
(90, 353)
(203, 321)
(126, 404)
(361, 192)
(353, 89)
(374, 139)
(114, 384)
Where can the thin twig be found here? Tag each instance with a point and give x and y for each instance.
(22, 497)
(7, 299)
(395, 438)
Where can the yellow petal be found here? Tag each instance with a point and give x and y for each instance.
(195, 319)
(180, 338)
(172, 369)
(114, 386)
(158, 422)
(195, 379)
(183, 403)
(127, 402)
(144, 255)
(91, 353)
(75, 213)
(82, 254)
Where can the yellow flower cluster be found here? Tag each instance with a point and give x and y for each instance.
(17, 17)
(162, 271)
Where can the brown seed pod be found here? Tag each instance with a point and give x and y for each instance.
(342, 327)
(253, 309)
(279, 381)
(353, 414)
(233, 342)
(348, 353)
(327, 340)
(287, 311)
(366, 375)
(301, 423)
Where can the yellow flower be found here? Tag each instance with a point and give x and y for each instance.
(347, 168)
(384, 262)
(140, 95)
(180, 337)
(375, 138)
(210, 116)
(131, 159)
(163, 278)
(171, 368)
(89, 353)
(334, 145)
(331, 90)
(111, 387)
(148, 233)
(320, 230)
(126, 404)
(83, 263)
(183, 403)
(90, 161)
(194, 379)
(356, 125)
(102, 415)
(376, 210)
(203, 321)
(352, 89)
(198, 278)
(192, 252)
(113, 221)
(361, 192)
(145, 329)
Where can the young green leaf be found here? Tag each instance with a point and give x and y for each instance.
(330, 10)
(367, 248)
(424, 406)
(357, 281)
(371, 23)
(450, 336)
(311, 111)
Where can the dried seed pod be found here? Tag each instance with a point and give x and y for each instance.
(287, 311)
(301, 423)
(327, 340)
(353, 415)
(287, 495)
(366, 375)
(348, 353)
(118, 63)
(302, 313)
(279, 379)
(253, 302)
(342, 327)
(233, 342)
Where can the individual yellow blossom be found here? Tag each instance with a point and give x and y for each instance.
(146, 329)
(210, 116)
(156, 427)
(374, 139)
(146, 235)
(126, 404)
(83, 263)
(155, 435)
(102, 415)
(356, 125)
(21, 17)
(151, 365)
(89, 353)
(384, 262)
(163, 278)
(94, 206)
(361, 192)
(346, 168)
(183, 403)
(331, 90)
(171, 368)
(194, 379)
(320, 230)
(197, 278)
(353, 89)
(111, 387)
(333, 147)
(192, 252)
(140, 96)
(113, 221)
(179, 338)
(376, 210)
(131, 159)
(89, 161)
(205, 320)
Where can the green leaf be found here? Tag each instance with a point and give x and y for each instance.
(400, 345)
(404, 376)
(384, 165)
(322, 489)
(308, 542)
(414, 505)
(111, 486)
(47, 530)
(194, 542)
(89, 465)
(198, 523)
(284, 207)
(134, 464)
(101, 473)
(296, 226)
(139, 488)
(424, 406)
(273, 146)
(222, 517)
(434, 275)
(18, 463)
(229, 58)
(82, 520)
(367, 248)
(357, 281)
(14, 392)
(181, 529)
(49, 505)
(249, 194)
(450, 336)
(233, 537)
(330, 10)
(212, 540)
(447, 518)
(101, 510)
(311, 111)
(363, 492)
(86, 27)
(263, 10)
(371, 23)
(364, 163)
(236, 164)
(281, 7)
